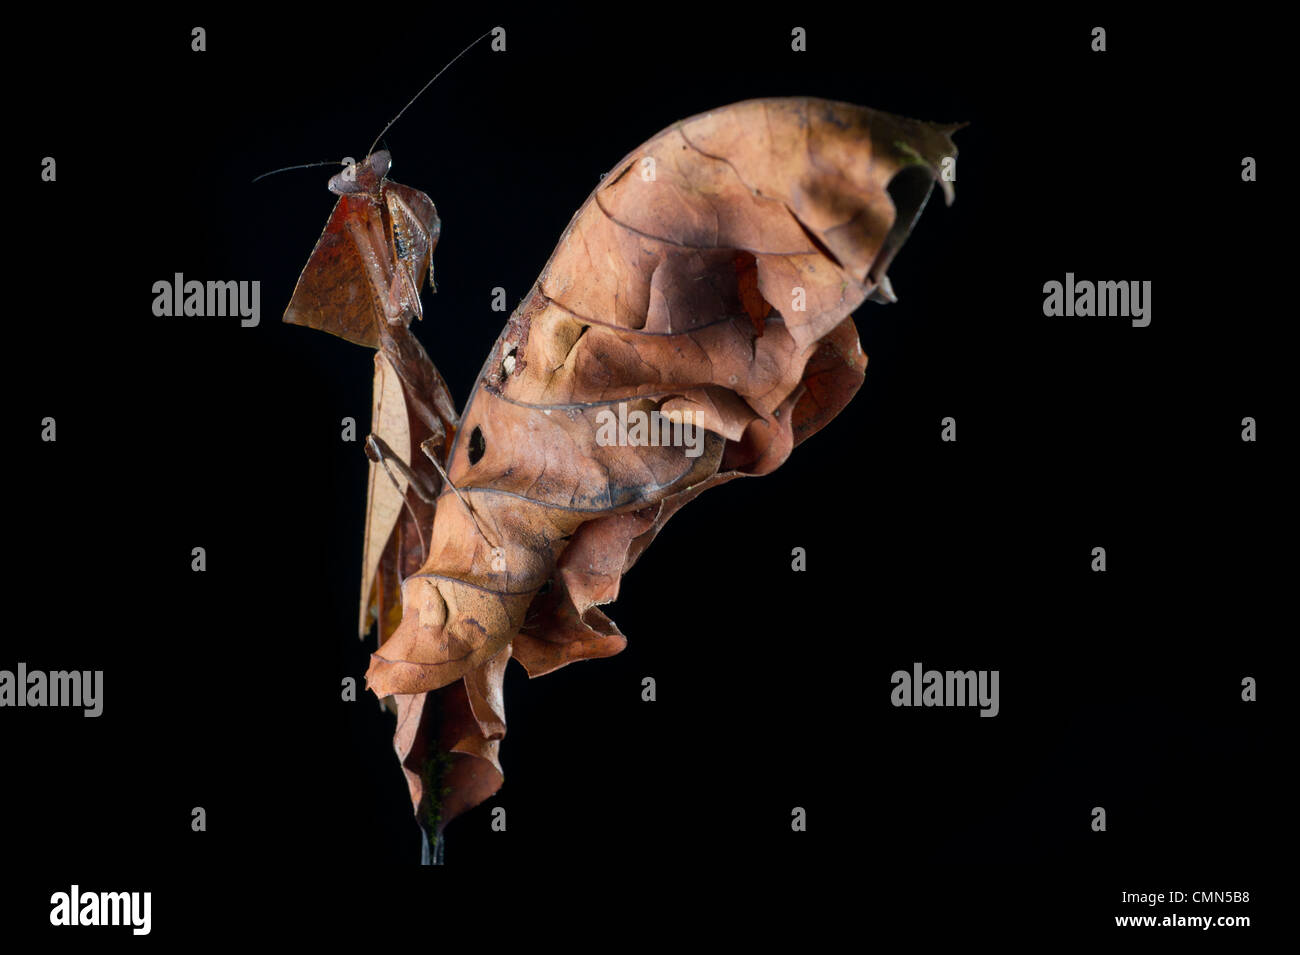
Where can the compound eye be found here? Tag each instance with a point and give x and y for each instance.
(349, 180)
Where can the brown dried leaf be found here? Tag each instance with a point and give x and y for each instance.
(720, 286)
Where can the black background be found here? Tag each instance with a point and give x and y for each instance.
(222, 689)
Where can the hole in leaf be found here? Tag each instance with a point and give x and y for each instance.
(909, 190)
(477, 446)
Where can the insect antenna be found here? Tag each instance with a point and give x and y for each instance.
(422, 89)
(332, 162)
(306, 165)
